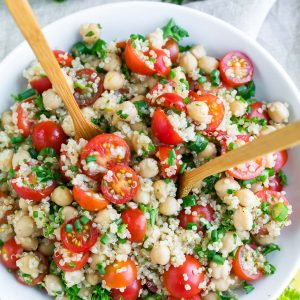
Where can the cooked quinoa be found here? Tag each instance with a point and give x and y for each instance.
(100, 219)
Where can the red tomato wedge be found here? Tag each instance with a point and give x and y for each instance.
(87, 95)
(136, 224)
(163, 129)
(130, 293)
(64, 58)
(9, 254)
(78, 236)
(236, 68)
(169, 161)
(272, 197)
(41, 84)
(197, 297)
(24, 122)
(239, 269)
(89, 199)
(161, 66)
(216, 108)
(170, 100)
(257, 110)
(172, 46)
(120, 184)
(281, 160)
(191, 267)
(115, 279)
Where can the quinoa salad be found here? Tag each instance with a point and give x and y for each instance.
(100, 219)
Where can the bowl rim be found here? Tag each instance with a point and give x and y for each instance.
(163, 5)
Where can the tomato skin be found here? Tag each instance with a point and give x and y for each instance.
(163, 129)
(177, 287)
(248, 69)
(41, 84)
(136, 224)
(48, 134)
(9, 254)
(275, 184)
(23, 122)
(77, 265)
(84, 245)
(173, 47)
(124, 188)
(238, 270)
(134, 63)
(197, 297)
(89, 199)
(163, 154)
(205, 212)
(216, 108)
(171, 100)
(271, 197)
(281, 160)
(130, 293)
(116, 280)
(64, 58)
(160, 66)
(256, 108)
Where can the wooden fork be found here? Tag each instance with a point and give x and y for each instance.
(27, 23)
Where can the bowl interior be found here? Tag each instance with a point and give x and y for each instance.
(118, 22)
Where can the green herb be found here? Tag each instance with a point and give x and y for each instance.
(1, 243)
(135, 38)
(225, 296)
(78, 226)
(39, 102)
(184, 48)
(99, 49)
(44, 173)
(11, 174)
(230, 191)
(90, 158)
(78, 49)
(215, 257)
(248, 287)
(17, 139)
(121, 115)
(99, 292)
(184, 84)
(270, 248)
(265, 208)
(189, 200)
(122, 241)
(47, 152)
(142, 107)
(153, 215)
(269, 269)
(246, 91)
(153, 60)
(282, 177)
(104, 239)
(162, 80)
(25, 95)
(90, 33)
(35, 214)
(202, 79)
(209, 183)
(172, 74)
(33, 153)
(190, 226)
(84, 220)
(215, 78)
(187, 100)
(68, 228)
(71, 265)
(167, 180)
(171, 157)
(214, 236)
(121, 228)
(172, 30)
(279, 212)
(126, 72)
(199, 144)
(101, 269)
(183, 167)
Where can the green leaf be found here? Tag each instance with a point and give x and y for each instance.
(172, 30)
(142, 107)
(199, 144)
(25, 95)
(247, 91)
(270, 248)
(189, 200)
(282, 177)
(248, 287)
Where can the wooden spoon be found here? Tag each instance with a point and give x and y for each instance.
(284, 138)
(27, 23)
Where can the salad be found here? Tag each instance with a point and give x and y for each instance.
(100, 219)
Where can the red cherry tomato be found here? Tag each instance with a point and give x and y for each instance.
(73, 265)
(77, 236)
(136, 223)
(134, 62)
(162, 68)
(89, 199)
(247, 170)
(197, 297)
(272, 197)
(9, 254)
(106, 150)
(120, 184)
(64, 58)
(238, 265)
(25, 122)
(236, 68)
(173, 47)
(216, 108)
(25, 186)
(163, 129)
(170, 166)
(120, 274)
(130, 293)
(87, 95)
(170, 100)
(197, 212)
(274, 184)
(257, 110)
(173, 278)
(281, 160)
(48, 134)
(41, 84)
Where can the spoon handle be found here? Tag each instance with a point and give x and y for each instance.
(284, 138)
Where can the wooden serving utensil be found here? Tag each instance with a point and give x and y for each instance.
(284, 138)
(27, 23)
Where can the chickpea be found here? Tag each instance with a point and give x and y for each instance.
(127, 111)
(198, 51)
(53, 285)
(141, 88)
(20, 157)
(247, 198)
(93, 278)
(88, 113)
(69, 212)
(113, 62)
(188, 62)
(160, 189)
(29, 264)
(24, 204)
(51, 100)
(28, 243)
(25, 227)
(62, 196)
(270, 160)
(238, 108)
(264, 239)
(156, 39)
(208, 64)
(222, 284)
(278, 112)
(113, 80)
(6, 232)
(160, 254)
(223, 185)
(106, 216)
(169, 207)
(6, 160)
(198, 111)
(148, 168)
(74, 277)
(46, 247)
(268, 129)
(210, 151)
(6, 119)
(142, 197)
(90, 32)
(210, 296)
(229, 242)
(220, 271)
(68, 126)
(242, 219)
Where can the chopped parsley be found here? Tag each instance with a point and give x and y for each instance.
(122, 115)
(189, 200)
(199, 144)
(44, 173)
(270, 248)
(246, 91)
(248, 287)
(142, 107)
(25, 95)
(172, 30)
(282, 177)
(215, 78)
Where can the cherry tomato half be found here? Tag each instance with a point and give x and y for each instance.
(281, 160)
(120, 184)
(115, 279)
(197, 297)
(173, 48)
(169, 161)
(236, 68)
(216, 108)
(89, 199)
(272, 197)
(41, 84)
(274, 184)
(78, 236)
(64, 58)
(238, 266)
(9, 254)
(24, 120)
(130, 293)
(48, 134)
(173, 278)
(136, 223)
(161, 65)
(171, 100)
(163, 129)
(257, 110)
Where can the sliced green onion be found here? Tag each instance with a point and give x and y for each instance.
(47, 152)
(248, 287)
(183, 167)
(25, 95)
(218, 259)
(191, 225)
(17, 139)
(187, 100)
(199, 144)
(122, 241)
(84, 220)
(265, 208)
(104, 240)
(71, 265)
(279, 212)
(270, 248)
(101, 269)
(153, 215)
(35, 214)
(201, 79)
(215, 77)
(189, 200)
(230, 191)
(78, 225)
(214, 235)
(11, 174)
(269, 269)
(172, 74)
(119, 221)
(121, 228)
(172, 157)
(33, 153)
(90, 158)
(68, 228)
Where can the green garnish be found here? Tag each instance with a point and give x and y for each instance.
(25, 95)
(282, 177)
(215, 78)
(246, 91)
(84, 220)
(265, 208)
(199, 144)
(172, 30)
(279, 212)
(35, 214)
(248, 287)
(270, 248)
(90, 158)
(191, 225)
(122, 115)
(101, 269)
(189, 200)
(142, 107)
(68, 228)
(47, 152)
(78, 225)
(171, 157)
(104, 239)
(33, 153)
(183, 167)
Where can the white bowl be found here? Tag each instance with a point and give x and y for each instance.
(119, 20)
